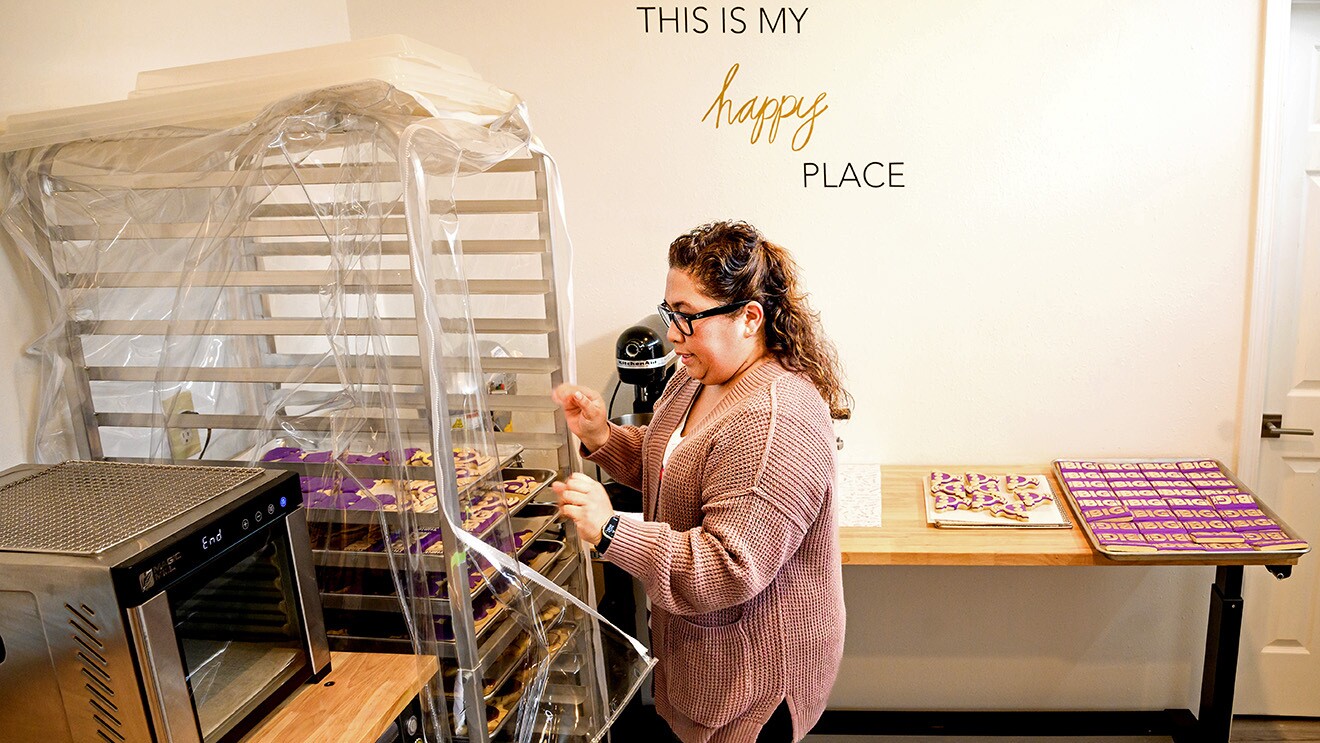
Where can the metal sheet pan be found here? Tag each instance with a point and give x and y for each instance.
(1183, 556)
(543, 480)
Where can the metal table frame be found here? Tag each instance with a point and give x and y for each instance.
(1218, 678)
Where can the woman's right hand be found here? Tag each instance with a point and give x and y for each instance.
(584, 410)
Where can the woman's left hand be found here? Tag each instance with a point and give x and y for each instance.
(585, 502)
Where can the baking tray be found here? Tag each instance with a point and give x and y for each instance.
(352, 600)
(434, 561)
(509, 686)
(537, 519)
(446, 648)
(1059, 518)
(1254, 557)
(426, 518)
(554, 550)
(543, 480)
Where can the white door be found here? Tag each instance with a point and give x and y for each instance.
(1279, 666)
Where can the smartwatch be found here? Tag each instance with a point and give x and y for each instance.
(607, 534)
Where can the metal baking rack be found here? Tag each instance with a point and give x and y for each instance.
(280, 251)
(1179, 556)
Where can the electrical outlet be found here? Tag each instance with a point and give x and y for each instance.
(185, 443)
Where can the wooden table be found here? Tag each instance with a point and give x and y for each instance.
(906, 539)
(361, 696)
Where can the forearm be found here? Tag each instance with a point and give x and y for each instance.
(710, 567)
(620, 454)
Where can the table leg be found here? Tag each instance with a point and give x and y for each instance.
(1223, 635)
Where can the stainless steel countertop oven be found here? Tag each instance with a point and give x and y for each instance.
(143, 602)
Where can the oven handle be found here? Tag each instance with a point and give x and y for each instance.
(309, 597)
(158, 657)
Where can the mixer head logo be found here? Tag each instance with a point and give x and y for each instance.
(147, 580)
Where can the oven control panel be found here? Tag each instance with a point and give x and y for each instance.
(196, 544)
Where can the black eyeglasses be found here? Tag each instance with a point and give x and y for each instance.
(683, 321)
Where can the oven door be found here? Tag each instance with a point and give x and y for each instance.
(224, 644)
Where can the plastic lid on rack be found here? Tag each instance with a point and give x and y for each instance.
(228, 93)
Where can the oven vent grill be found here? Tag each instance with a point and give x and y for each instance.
(84, 508)
(96, 673)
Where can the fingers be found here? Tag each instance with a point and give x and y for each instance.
(572, 395)
(578, 490)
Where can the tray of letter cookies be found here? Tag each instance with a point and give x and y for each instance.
(1174, 508)
(975, 500)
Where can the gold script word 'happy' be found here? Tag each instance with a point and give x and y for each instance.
(771, 109)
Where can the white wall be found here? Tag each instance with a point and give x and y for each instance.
(67, 53)
(1064, 273)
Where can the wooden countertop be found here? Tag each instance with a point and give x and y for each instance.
(369, 691)
(906, 539)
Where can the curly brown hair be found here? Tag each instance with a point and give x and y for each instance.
(733, 262)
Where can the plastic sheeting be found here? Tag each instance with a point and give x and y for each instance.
(295, 293)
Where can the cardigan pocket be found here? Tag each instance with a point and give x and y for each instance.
(708, 675)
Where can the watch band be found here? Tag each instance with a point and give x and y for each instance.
(607, 534)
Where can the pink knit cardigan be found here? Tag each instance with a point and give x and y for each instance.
(738, 553)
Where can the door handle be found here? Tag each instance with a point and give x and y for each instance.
(1271, 427)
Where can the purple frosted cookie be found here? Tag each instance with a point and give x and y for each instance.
(1151, 502)
(1259, 523)
(520, 537)
(519, 485)
(1206, 490)
(1115, 527)
(1240, 512)
(943, 478)
(1032, 498)
(1160, 527)
(1140, 515)
(1225, 497)
(1123, 476)
(1271, 541)
(1107, 514)
(945, 502)
(1020, 482)
(283, 454)
(428, 541)
(1090, 485)
(1124, 541)
(1015, 511)
(1208, 533)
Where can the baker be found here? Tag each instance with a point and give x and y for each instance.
(738, 551)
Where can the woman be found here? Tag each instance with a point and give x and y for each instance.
(738, 551)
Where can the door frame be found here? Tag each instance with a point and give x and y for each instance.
(1277, 27)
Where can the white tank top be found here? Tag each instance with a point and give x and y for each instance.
(675, 439)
